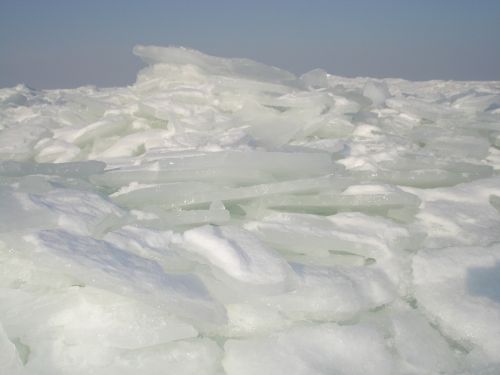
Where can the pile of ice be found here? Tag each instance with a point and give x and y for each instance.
(221, 216)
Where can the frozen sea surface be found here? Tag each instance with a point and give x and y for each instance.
(221, 216)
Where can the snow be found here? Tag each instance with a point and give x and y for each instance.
(238, 253)
(221, 216)
(319, 349)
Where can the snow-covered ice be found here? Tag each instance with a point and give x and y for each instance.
(221, 216)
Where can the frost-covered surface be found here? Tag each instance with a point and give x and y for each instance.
(225, 217)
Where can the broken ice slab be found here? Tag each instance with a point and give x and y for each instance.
(116, 178)
(457, 138)
(316, 236)
(459, 146)
(279, 164)
(419, 178)
(196, 193)
(103, 265)
(81, 108)
(336, 127)
(273, 131)
(212, 65)
(334, 293)
(80, 169)
(412, 162)
(107, 126)
(421, 109)
(316, 78)
(477, 102)
(53, 150)
(156, 218)
(301, 234)
(425, 172)
(233, 167)
(275, 121)
(364, 200)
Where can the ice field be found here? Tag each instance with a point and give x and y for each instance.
(221, 216)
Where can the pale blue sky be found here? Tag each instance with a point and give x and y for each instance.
(68, 43)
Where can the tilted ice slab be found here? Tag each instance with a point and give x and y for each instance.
(221, 216)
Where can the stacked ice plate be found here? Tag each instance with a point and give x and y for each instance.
(221, 216)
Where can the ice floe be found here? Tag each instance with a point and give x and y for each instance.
(221, 216)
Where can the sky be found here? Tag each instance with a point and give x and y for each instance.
(69, 43)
